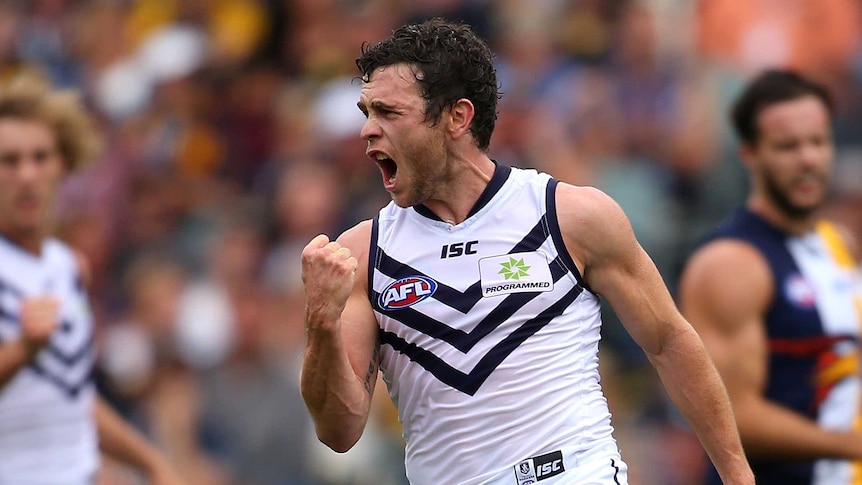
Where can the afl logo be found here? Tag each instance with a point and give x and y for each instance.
(799, 291)
(406, 292)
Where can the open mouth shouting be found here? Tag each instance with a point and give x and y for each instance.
(388, 168)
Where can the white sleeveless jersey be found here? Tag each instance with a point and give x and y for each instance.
(47, 429)
(489, 342)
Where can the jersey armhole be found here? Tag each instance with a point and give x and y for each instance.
(373, 256)
(557, 235)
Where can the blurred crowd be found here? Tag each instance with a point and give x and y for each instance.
(231, 139)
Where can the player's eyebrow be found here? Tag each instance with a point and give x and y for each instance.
(376, 105)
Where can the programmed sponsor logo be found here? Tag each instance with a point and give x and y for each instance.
(406, 292)
(515, 273)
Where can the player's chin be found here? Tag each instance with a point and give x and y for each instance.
(404, 199)
(810, 200)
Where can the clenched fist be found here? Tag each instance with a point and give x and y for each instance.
(328, 273)
(38, 321)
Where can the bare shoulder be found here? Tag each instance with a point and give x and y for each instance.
(357, 239)
(595, 228)
(589, 206)
(728, 259)
(725, 280)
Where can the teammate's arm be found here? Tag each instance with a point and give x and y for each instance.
(38, 320)
(602, 243)
(725, 292)
(341, 359)
(122, 442)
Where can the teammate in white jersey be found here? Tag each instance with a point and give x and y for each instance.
(52, 423)
(475, 292)
(776, 294)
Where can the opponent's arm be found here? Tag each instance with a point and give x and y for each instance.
(340, 365)
(725, 292)
(601, 241)
(38, 320)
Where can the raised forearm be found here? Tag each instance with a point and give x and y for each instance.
(695, 387)
(337, 399)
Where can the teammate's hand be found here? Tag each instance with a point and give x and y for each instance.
(328, 273)
(38, 321)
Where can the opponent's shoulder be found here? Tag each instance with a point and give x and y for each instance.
(727, 273)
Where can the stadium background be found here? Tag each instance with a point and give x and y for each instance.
(231, 139)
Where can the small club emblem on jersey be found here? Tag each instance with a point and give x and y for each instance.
(514, 269)
(539, 468)
(800, 292)
(406, 292)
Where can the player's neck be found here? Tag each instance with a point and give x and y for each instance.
(28, 240)
(455, 201)
(789, 223)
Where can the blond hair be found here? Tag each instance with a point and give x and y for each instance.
(27, 96)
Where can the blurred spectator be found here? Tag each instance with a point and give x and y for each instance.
(810, 35)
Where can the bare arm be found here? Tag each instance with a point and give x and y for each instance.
(121, 441)
(340, 366)
(725, 291)
(602, 243)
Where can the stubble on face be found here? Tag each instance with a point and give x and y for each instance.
(418, 146)
(429, 172)
(794, 156)
(780, 197)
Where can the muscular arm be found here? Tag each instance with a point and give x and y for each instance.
(725, 291)
(614, 265)
(340, 365)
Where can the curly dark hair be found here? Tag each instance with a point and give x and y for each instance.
(451, 62)
(771, 87)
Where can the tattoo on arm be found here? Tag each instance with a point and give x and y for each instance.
(372, 367)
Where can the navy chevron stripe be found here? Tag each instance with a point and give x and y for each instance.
(71, 389)
(447, 295)
(5, 286)
(460, 339)
(73, 357)
(8, 315)
(69, 358)
(470, 383)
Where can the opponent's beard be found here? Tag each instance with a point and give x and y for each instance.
(781, 199)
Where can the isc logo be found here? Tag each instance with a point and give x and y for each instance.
(549, 468)
(406, 292)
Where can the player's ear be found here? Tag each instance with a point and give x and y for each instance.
(746, 154)
(459, 117)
